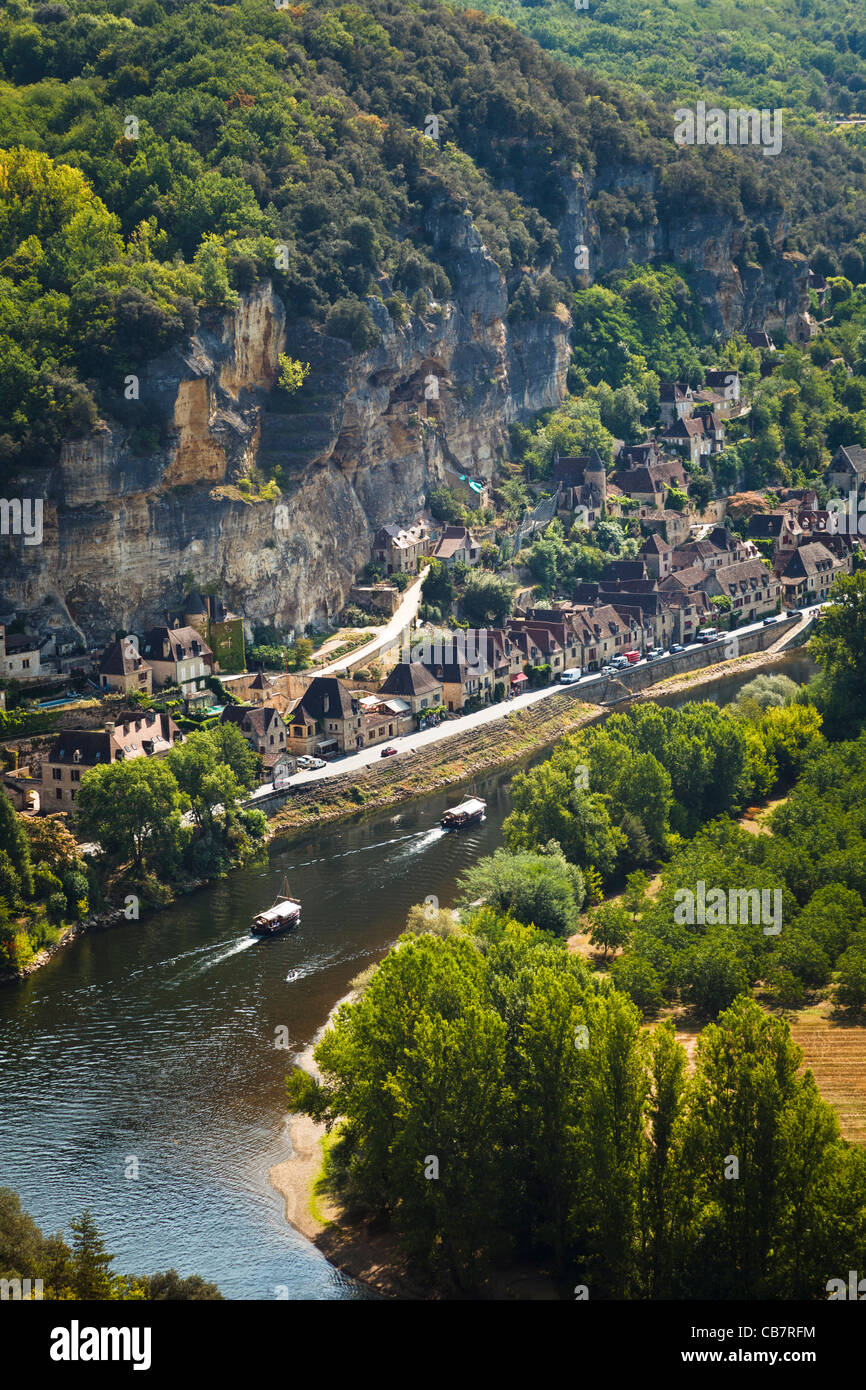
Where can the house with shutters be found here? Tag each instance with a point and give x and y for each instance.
(178, 656)
(676, 401)
(752, 587)
(330, 719)
(19, 654)
(807, 574)
(689, 436)
(133, 734)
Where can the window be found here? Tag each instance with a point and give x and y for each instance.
(59, 793)
(76, 775)
(57, 773)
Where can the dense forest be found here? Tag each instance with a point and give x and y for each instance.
(159, 159)
(806, 55)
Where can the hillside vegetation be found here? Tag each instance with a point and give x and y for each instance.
(158, 159)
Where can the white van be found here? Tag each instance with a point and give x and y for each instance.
(707, 634)
(570, 677)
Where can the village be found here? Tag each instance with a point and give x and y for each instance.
(701, 567)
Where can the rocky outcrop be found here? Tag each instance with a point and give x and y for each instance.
(734, 294)
(128, 525)
(359, 446)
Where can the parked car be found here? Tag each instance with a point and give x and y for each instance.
(676, 647)
(608, 670)
(389, 751)
(655, 653)
(772, 619)
(619, 662)
(308, 764)
(570, 677)
(793, 612)
(707, 634)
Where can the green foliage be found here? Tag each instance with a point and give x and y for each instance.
(293, 373)
(487, 598)
(15, 844)
(494, 1103)
(840, 648)
(540, 890)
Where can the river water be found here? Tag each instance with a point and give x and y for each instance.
(151, 1048)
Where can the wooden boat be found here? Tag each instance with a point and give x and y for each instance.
(467, 813)
(282, 917)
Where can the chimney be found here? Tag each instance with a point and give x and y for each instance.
(109, 728)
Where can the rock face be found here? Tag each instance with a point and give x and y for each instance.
(127, 529)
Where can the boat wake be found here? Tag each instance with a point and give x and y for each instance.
(426, 836)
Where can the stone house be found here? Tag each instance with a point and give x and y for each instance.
(397, 549)
(808, 573)
(412, 681)
(457, 543)
(178, 656)
(265, 731)
(19, 655)
(134, 734)
(122, 667)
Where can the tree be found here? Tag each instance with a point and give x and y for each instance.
(840, 649)
(210, 262)
(293, 373)
(132, 810)
(168, 1284)
(636, 886)
(714, 975)
(541, 890)
(14, 843)
(610, 927)
(351, 320)
(52, 844)
(639, 979)
(487, 598)
(851, 980)
(202, 778)
(231, 748)
(91, 1263)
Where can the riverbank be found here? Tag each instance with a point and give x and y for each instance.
(453, 761)
(485, 749)
(352, 1247)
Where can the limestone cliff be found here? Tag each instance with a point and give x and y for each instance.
(359, 445)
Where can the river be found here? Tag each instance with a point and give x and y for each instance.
(151, 1048)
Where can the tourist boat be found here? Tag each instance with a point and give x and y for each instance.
(467, 813)
(283, 916)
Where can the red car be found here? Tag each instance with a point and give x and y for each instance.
(388, 752)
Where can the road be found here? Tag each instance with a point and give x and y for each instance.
(409, 742)
(383, 637)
